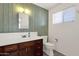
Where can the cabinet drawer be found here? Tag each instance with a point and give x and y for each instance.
(10, 48)
(25, 44)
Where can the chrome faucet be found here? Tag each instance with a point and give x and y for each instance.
(28, 34)
(23, 36)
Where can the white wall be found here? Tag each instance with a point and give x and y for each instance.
(66, 33)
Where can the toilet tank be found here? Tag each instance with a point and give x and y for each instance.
(44, 39)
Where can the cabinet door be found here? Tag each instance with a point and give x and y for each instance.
(30, 51)
(26, 48)
(11, 50)
(38, 48)
(15, 53)
(1, 51)
(23, 52)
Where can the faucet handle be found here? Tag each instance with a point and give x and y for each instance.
(28, 34)
(23, 36)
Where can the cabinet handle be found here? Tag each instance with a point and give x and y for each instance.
(26, 49)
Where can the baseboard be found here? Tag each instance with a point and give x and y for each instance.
(45, 54)
(59, 52)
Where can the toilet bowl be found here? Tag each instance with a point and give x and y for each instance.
(47, 46)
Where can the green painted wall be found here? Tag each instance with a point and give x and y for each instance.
(9, 20)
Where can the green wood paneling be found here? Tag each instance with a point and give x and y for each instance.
(6, 17)
(15, 19)
(9, 18)
(1, 18)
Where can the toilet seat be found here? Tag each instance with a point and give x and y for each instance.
(49, 45)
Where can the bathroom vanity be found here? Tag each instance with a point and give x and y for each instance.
(23, 47)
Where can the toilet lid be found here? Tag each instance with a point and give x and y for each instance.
(49, 44)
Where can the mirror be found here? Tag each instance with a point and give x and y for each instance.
(23, 21)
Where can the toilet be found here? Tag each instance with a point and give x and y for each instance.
(47, 46)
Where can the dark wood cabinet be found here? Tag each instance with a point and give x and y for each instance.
(13, 53)
(23, 52)
(11, 50)
(26, 48)
(30, 48)
(1, 51)
(30, 51)
(38, 48)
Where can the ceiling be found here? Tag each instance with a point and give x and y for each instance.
(46, 5)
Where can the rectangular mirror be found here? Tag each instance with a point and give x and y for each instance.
(23, 21)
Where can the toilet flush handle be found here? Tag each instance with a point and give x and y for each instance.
(56, 39)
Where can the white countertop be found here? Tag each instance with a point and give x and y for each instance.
(5, 41)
